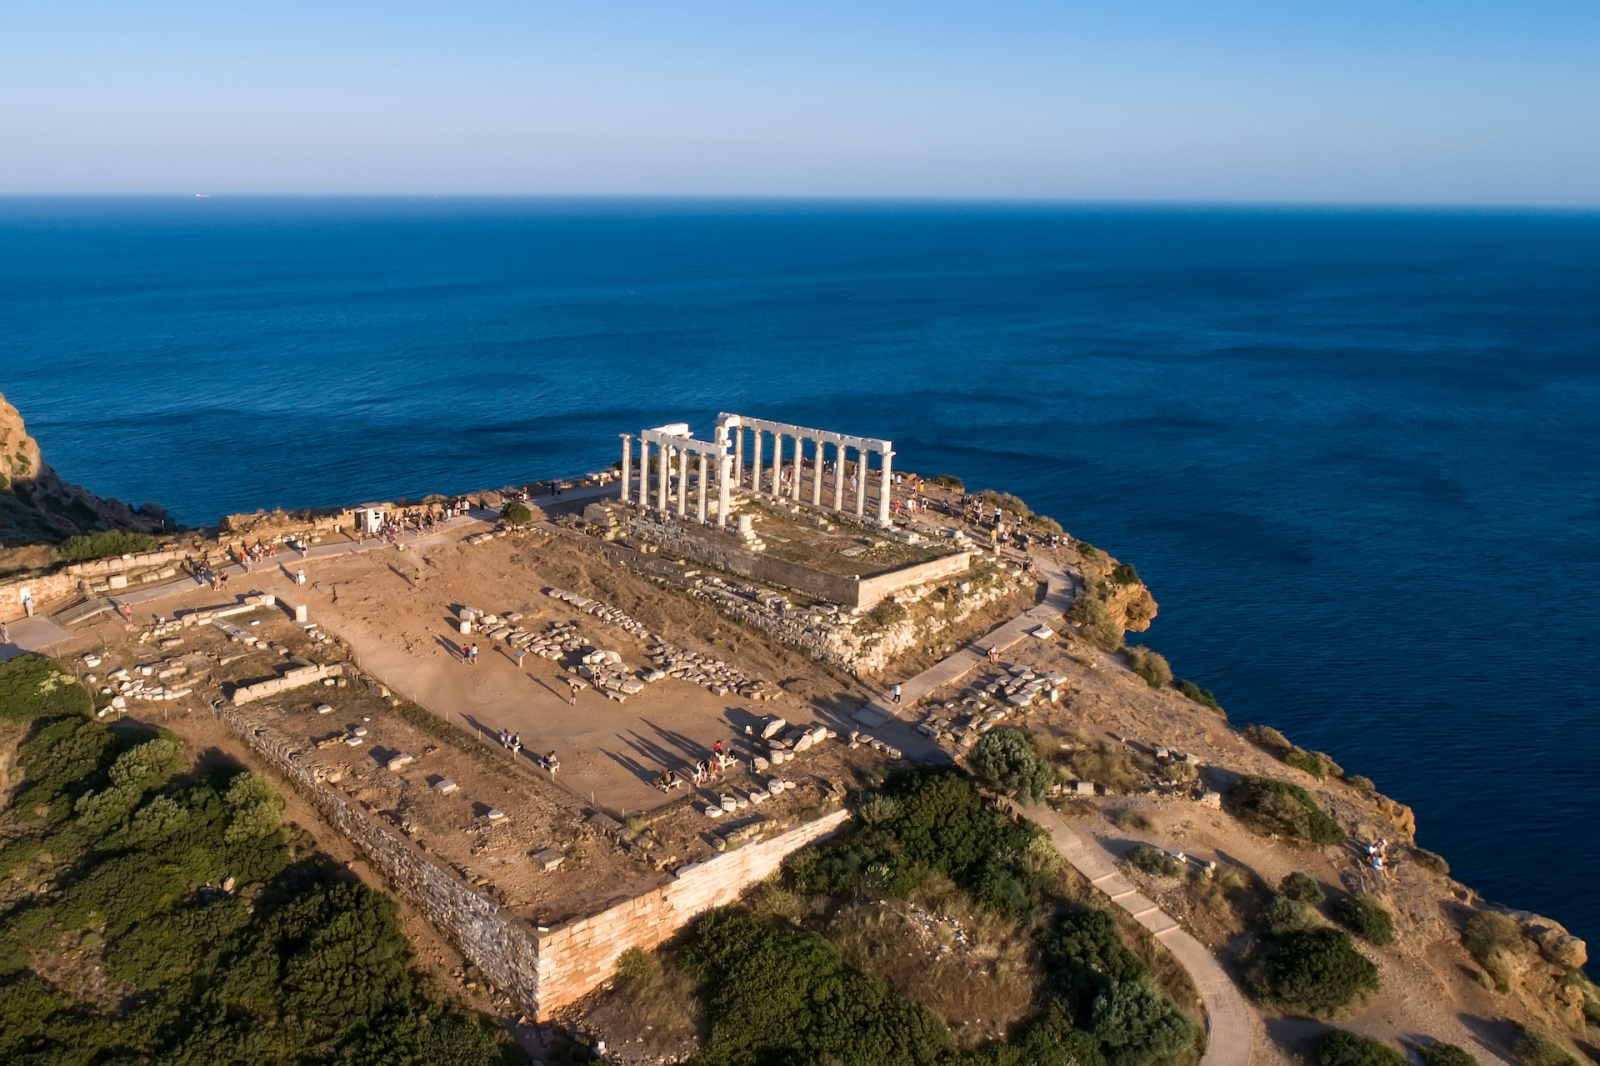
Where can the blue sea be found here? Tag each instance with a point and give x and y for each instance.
(1355, 454)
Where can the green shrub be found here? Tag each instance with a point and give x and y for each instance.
(1148, 664)
(1491, 931)
(1004, 761)
(1446, 1055)
(33, 687)
(1124, 574)
(1269, 738)
(951, 482)
(635, 964)
(1273, 806)
(1316, 763)
(1341, 1048)
(314, 968)
(1093, 616)
(1084, 956)
(1317, 971)
(1046, 523)
(1283, 915)
(1138, 1025)
(1302, 888)
(1363, 783)
(1203, 696)
(1431, 861)
(1128, 818)
(785, 995)
(1534, 1049)
(1153, 860)
(89, 546)
(1365, 917)
(516, 513)
(1006, 502)
(888, 613)
(937, 822)
(1085, 549)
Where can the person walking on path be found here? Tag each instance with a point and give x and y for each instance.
(472, 655)
(5, 633)
(552, 763)
(300, 576)
(897, 692)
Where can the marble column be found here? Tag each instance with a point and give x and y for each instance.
(777, 464)
(627, 459)
(799, 467)
(738, 455)
(700, 499)
(724, 490)
(755, 460)
(861, 482)
(816, 473)
(838, 475)
(642, 497)
(886, 487)
(683, 482)
(663, 476)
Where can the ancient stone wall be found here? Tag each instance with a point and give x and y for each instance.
(504, 950)
(44, 589)
(541, 970)
(576, 957)
(120, 564)
(295, 677)
(882, 586)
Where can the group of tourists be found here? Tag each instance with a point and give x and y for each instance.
(702, 770)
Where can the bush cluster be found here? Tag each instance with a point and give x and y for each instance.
(1535, 1049)
(930, 820)
(1446, 1055)
(951, 482)
(1004, 761)
(516, 513)
(1093, 615)
(1203, 696)
(33, 687)
(1342, 1048)
(1318, 971)
(1365, 917)
(1274, 806)
(1006, 502)
(1148, 664)
(1124, 574)
(86, 547)
(1153, 860)
(291, 962)
(1302, 888)
(1319, 764)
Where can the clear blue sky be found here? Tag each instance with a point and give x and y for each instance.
(1430, 102)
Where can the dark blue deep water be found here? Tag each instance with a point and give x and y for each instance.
(1356, 455)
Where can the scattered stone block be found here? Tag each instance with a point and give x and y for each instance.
(400, 762)
(1212, 800)
(444, 786)
(1084, 788)
(549, 859)
(323, 708)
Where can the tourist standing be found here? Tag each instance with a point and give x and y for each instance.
(473, 655)
(5, 633)
(897, 692)
(300, 576)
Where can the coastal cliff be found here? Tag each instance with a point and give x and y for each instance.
(37, 506)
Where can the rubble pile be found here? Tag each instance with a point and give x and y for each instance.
(714, 675)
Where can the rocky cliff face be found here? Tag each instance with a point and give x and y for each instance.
(37, 506)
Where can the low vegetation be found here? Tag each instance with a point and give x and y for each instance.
(516, 513)
(951, 482)
(169, 920)
(1302, 888)
(1203, 696)
(1342, 1048)
(1005, 761)
(1124, 574)
(1092, 613)
(1431, 861)
(1446, 1055)
(1153, 861)
(1535, 1049)
(1006, 502)
(1148, 664)
(1272, 806)
(86, 547)
(1365, 917)
(1317, 971)
(1113, 767)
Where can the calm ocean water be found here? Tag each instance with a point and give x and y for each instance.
(1355, 454)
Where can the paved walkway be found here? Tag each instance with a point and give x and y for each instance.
(1230, 1033)
(31, 634)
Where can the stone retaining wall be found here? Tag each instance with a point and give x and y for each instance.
(542, 971)
(504, 950)
(119, 564)
(44, 589)
(577, 957)
(725, 551)
(296, 677)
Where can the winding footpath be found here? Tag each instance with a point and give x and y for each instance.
(1230, 1032)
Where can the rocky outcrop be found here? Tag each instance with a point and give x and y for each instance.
(1131, 606)
(37, 506)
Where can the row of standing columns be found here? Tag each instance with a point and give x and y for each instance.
(773, 475)
(665, 454)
